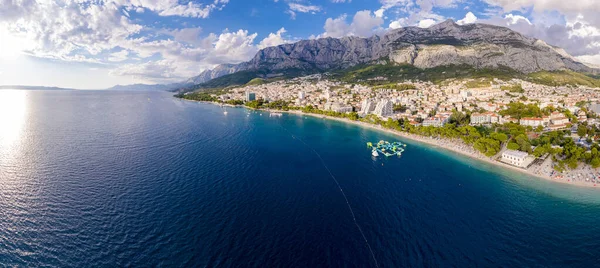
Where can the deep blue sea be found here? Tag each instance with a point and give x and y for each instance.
(105, 179)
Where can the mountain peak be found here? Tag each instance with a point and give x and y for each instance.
(449, 23)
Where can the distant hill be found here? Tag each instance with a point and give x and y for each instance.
(33, 87)
(256, 82)
(147, 87)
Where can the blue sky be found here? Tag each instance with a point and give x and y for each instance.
(100, 43)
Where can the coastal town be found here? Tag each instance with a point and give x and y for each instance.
(547, 131)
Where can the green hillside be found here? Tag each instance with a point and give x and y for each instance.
(563, 78)
(256, 82)
(369, 74)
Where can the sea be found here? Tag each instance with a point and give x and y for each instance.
(143, 179)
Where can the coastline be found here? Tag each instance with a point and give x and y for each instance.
(455, 146)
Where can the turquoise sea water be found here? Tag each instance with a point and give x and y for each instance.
(92, 178)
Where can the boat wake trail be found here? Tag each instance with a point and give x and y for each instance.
(341, 190)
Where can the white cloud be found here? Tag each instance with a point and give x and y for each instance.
(336, 27)
(180, 61)
(292, 14)
(162, 70)
(512, 19)
(119, 56)
(542, 5)
(393, 3)
(274, 39)
(426, 23)
(235, 46)
(187, 35)
(76, 30)
(562, 36)
(296, 7)
(91, 32)
(469, 18)
(572, 25)
(581, 10)
(175, 8)
(592, 60)
(395, 24)
(416, 12)
(363, 24)
(65, 31)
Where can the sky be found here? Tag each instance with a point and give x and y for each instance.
(100, 43)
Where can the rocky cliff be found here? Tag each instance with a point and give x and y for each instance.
(478, 45)
(220, 70)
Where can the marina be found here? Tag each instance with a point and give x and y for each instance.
(386, 148)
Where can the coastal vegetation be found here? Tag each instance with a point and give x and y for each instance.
(197, 96)
(520, 110)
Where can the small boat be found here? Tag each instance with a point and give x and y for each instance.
(375, 153)
(225, 112)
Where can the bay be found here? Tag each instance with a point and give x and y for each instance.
(97, 178)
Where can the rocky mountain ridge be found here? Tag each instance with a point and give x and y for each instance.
(446, 43)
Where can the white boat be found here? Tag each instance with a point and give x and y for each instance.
(225, 112)
(375, 153)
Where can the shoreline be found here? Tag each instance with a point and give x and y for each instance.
(455, 146)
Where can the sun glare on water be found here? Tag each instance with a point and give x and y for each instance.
(13, 108)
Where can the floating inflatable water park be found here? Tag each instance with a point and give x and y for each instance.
(386, 148)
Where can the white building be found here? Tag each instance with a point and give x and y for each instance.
(367, 106)
(531, 121)
(465, 94)
(250, 96)
(301, 95)
(515, 158)
(484, 118)
(338, 107)
(384, 108)
(558, 121)
(558, 118)
(436, 121)
(595, 107)
(327, 94)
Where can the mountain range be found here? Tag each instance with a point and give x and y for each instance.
(447, 43)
